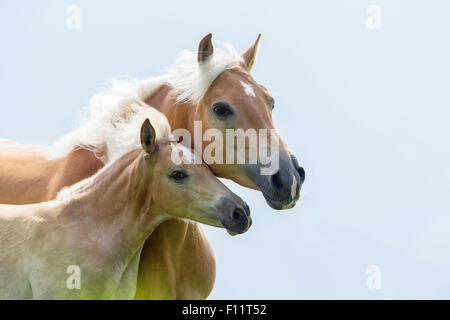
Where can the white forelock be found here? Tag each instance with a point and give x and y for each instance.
(191, 80)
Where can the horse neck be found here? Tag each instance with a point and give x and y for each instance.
(116, 206)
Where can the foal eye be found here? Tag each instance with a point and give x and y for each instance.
(178, 175)
(222, 110)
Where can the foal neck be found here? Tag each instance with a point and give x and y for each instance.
(115, 206)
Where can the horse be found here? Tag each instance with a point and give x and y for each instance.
(212, 86)
(100, 224)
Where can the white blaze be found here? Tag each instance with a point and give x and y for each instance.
(248, 90)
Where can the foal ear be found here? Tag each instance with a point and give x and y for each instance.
(205, 49)
(148, 137)
(249, 56)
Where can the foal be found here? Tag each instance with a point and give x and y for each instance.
(100, 224)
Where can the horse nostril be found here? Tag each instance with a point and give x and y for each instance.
(301, 173)
(238, 214)
(276, 180)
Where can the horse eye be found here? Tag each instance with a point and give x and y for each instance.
(178, 175)
(222, 110)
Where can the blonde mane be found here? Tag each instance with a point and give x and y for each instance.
(116, 115)
(114, 123)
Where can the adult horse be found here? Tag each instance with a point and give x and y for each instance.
(213, 87)
(100, 224)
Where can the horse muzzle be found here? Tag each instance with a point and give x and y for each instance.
(234, 215)
(281, 190)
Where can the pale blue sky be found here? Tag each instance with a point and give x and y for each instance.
(366, 112)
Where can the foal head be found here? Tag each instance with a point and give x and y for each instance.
(234, 100)
(189, 190)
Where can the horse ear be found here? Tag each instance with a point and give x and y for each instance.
(205, 49)
(148, 137)
(249, 56)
